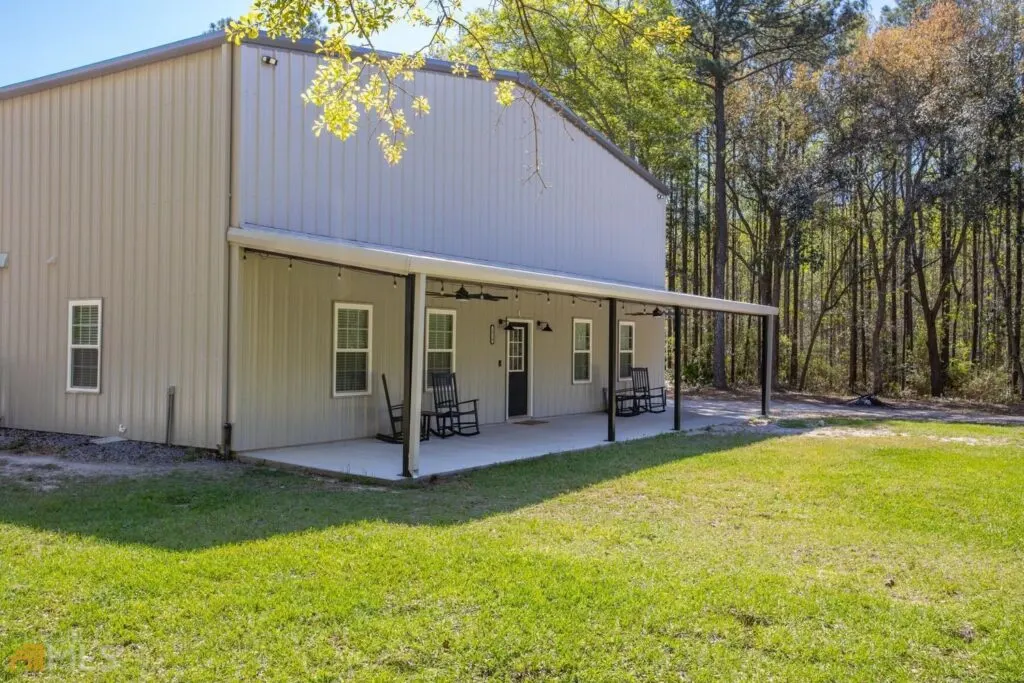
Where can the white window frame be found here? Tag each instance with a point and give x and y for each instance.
(98, 303)
(426, 340)
(588, 351)
(340, 305)
(619, 350)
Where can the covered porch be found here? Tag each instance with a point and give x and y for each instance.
(496, 444)
(412, 280)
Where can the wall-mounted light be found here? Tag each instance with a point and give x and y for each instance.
(505, 325)
(544, 327)
(269, 60)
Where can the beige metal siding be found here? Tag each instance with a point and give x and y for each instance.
(463, 188)
(116, 188)
(285, 352)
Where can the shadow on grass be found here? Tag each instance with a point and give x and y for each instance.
(222, 504)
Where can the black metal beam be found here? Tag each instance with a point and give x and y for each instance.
(677, 371)
(613, 354)
(410, 430)
(767, 356)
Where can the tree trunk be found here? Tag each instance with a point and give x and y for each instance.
(721, 235)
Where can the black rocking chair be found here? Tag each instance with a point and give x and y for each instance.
(395, 412)
(452, 416)
(649, 400)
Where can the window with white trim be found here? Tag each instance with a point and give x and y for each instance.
(582, 348)
(85, 337)
(440, 341)
(627, 345)
(353, 341)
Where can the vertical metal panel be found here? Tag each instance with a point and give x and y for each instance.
(285, 352)
(115, 187)
(464, 187)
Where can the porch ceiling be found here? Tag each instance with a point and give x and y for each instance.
(401, 262)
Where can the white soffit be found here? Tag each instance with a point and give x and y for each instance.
(400, 262)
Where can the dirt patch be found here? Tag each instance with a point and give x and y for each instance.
(82, 449)
(44, 460)
(48, 472)
(970, 409)
(819, 429)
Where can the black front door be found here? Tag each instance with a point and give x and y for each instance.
(518, 364)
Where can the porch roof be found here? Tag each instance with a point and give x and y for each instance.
(402, 262)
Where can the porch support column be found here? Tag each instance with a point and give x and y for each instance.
(613, 354)
(677, 371)
(767, 351)
(412, 401)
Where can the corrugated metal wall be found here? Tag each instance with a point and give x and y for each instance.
(285, 352)
(116, 188)
(463, 188)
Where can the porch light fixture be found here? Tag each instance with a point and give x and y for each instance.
(269, 60)
(657, 312)
(505, 324)
(544, 327)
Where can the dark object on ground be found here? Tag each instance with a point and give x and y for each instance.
(868, 401)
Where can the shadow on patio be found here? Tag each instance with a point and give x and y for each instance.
(218, 505)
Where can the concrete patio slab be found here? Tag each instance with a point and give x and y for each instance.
(497, 443)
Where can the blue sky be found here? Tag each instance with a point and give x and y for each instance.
(42, 37)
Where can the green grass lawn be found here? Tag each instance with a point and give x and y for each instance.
(898, 556)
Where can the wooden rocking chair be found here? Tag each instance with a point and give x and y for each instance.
(451, 415)
(395, 416)
(649, 400)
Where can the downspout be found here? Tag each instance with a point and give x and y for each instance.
(229, 266)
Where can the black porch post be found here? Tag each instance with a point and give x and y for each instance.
(410, 429)
(677, 372)
(613, 354)
(767, 352)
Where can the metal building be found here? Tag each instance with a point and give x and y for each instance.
(182, 259)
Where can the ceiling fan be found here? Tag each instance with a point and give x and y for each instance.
(657, 312)
(463, 294)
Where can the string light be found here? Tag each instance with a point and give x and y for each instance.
(517, 295)
(394, 281)
(289, 264)
(339, 273)
(549, 297)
